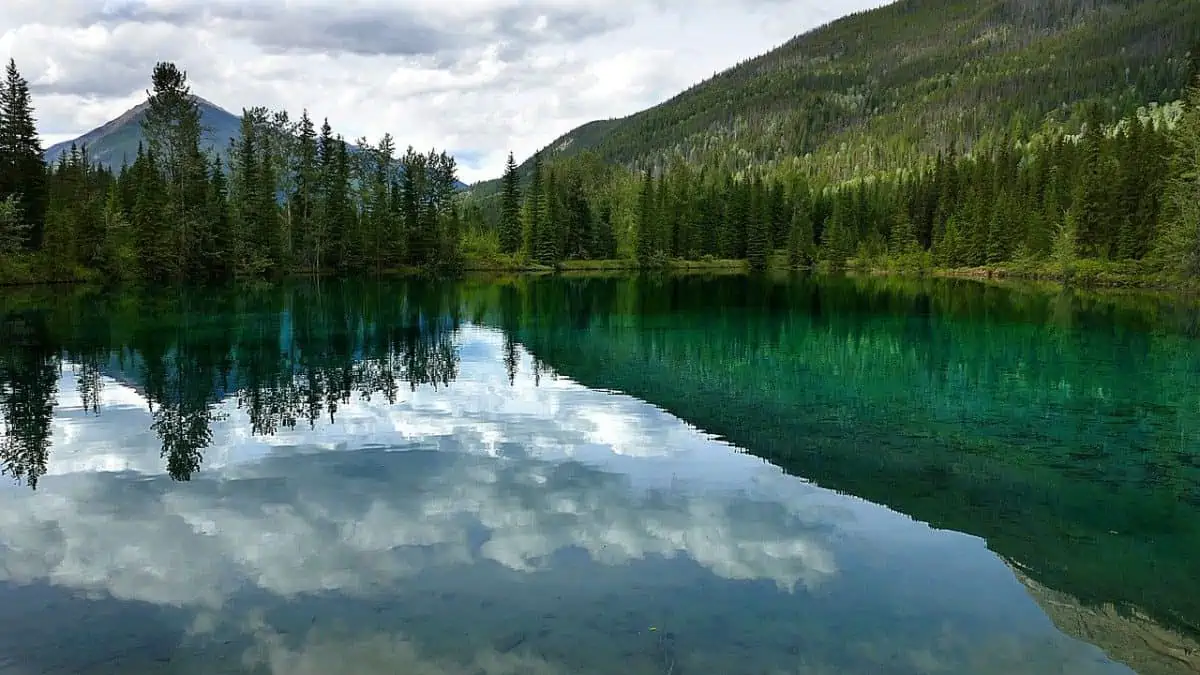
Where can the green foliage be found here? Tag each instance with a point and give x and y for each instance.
(849, 176)
(800, 247)
(890, 88)
(510, 209)
(1034, 112)
(1066, 245)
(118, 255)
(13, 228)
(290, 200)
(1027, 199)
(647, 244)
(22, 169)
(1182, 240)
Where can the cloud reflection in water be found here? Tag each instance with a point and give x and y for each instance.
(463, 518)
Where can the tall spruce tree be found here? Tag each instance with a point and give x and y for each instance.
(535, 205)
(647, 222)
(546, 245)
(22, 168)
(172, 129)
(510, 209)
(1182, 241)
(758, 224)
(304, 199)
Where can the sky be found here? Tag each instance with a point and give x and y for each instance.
(475, 77)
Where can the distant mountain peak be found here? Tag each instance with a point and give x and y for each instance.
(116, 141)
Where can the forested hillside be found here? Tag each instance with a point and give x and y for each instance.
(1124, 192)
(1045, 135)
(1049, 136)
(887, 87)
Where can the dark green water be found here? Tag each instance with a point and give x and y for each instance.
(663, 476)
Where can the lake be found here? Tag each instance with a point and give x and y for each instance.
(665, 475)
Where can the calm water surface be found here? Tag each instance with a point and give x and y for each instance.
(660, 476)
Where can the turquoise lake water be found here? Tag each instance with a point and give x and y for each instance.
(677, 475)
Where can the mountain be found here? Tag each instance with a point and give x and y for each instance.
(886, 87)
(116, 141)
(1129, 636)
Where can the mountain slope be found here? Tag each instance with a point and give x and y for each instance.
(116, 141)
(886, 87)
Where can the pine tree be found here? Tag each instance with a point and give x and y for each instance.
(732, 236)
(510, 209)
(218, 262)
(799, 237)
(1182, 238)
(305, 198)
(118, 259)
(384, 237)
(758, 227)
(949, 252)
(266, 237)
(578, 234)
(147, 218)
(535, 205)
(647, 246)
(172, 129)
(1002, 229)
(837, 238)
(13, 228)
(1090, 201)
(1039, 236)
(343, 220)
(903, 241)
(412, 219)
(450, 256)
(1066, 244)
(22, 168)
(605, 239)
(546, 245)
(325, 236)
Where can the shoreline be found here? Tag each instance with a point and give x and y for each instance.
(1087, 274)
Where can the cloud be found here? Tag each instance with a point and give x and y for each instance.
(539, 469)
(476, 77)
(371, 28)
(487, 528)
(324, 652)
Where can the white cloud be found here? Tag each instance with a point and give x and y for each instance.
(477, 77)
(372, 541)
(349, 531)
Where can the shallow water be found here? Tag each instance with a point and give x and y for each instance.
(600, 476)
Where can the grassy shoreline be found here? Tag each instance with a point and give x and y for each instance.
(1090, 274)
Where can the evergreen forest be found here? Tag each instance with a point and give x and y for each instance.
(1105, 188)
(291, 199)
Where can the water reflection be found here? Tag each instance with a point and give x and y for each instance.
(1062, 428)
(284, 356)
(496, 527)
(388, 477)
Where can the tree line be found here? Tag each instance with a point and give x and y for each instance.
(1115, 191)
(342, 341)
(290, 199)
